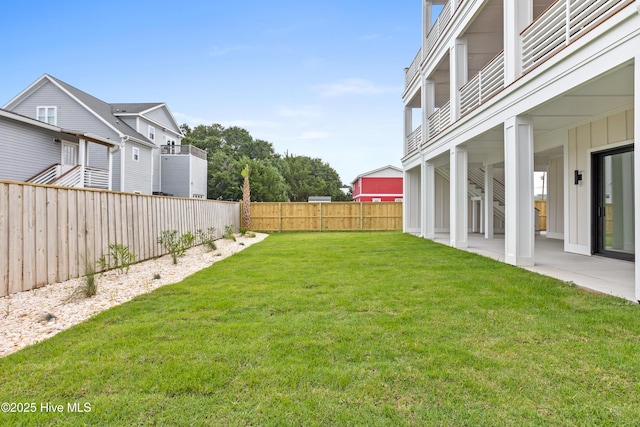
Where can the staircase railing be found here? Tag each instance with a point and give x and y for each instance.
(46, 176)
(71, 178)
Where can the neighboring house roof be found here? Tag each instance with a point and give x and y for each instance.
(99, 108)
(376, 171)
(37, 123)
(144, 108)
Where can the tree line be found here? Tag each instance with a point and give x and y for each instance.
(274, 177)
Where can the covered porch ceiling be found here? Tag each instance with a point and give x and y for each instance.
(605, 95)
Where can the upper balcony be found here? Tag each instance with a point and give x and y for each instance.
(184, 150)
(467, 78)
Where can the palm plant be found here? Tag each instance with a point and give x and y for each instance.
(246, 198)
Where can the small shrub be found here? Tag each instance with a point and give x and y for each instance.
(156, 276)
(87, 289)
(243, 230)
(208, 238)
(121, 256)
(176, 246)
(228, 233)
(249, 234)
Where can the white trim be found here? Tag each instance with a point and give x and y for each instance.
(380, 195)
(46, 114)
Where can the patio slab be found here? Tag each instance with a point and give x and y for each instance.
(605, 275)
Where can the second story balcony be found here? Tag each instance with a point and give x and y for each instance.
(482, 62)
(183, 150)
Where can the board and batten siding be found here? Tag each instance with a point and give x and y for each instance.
(27, 150)
(49, 234)
(582, 142)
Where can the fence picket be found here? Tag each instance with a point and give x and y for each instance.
(48, 234)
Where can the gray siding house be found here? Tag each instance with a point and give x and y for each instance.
(141, 131)
(43, 153)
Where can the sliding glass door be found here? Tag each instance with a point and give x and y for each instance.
(613, 215)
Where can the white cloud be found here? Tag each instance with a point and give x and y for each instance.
(354, 87)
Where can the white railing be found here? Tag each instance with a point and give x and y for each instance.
(414, 139)
(438, 27)
(440, 119)
(96, 178)
(411, 72)
(184, 150)
(71, 178)
(488, 82)
(560, 24)
(47, 175)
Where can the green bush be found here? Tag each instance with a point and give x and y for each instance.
(176, 246)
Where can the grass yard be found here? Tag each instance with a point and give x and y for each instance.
(342, 329)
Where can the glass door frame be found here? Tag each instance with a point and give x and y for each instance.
(598, 209)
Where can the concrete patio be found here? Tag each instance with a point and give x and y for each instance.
(600, 274)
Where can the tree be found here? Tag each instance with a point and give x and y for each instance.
(311, 177)
(246, 197)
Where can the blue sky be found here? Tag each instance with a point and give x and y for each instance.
(316, 78)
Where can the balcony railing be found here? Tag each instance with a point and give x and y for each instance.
(414, 139)
(411, 72)
(440, 119)
(562, 23)
(488, 82)
(96, 178)
(438, 27)
(184, 150)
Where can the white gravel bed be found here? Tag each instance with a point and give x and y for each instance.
(32, 316)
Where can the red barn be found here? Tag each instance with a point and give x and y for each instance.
(379, 185)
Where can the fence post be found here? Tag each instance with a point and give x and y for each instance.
(280, 218)
(320, 206)
(361, 217)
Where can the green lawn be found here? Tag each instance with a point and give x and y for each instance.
(343, 329)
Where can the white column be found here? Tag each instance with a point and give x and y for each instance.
(429, 205)
(517, 15)
(459, 215)
(427, 17)
(488, 202)
(428, 105)
(459, 71)
(407, 127)
(519, 206)
(405, 201)
(110, 167)
(636, 161)
(82, 156)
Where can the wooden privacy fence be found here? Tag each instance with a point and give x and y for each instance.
(48, 234)
(541, 206)
(335, 216)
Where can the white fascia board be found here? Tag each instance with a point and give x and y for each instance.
(29, 121)
(380, 195)
(157, 124)
(31, 88)
(96, 115)
(141, 142)
(173, 119)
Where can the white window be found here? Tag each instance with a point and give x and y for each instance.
(47, 115)
(376, 199)
(398, 199)
(170, 141)
(152, 133)
(136, 154)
